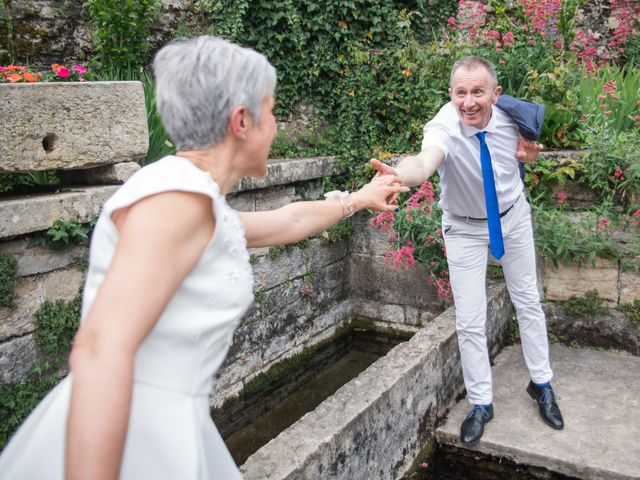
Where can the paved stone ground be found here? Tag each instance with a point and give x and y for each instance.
(600, 402)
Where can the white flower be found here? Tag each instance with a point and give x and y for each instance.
(335, 195)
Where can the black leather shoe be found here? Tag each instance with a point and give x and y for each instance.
(473, 426)
(547, 405)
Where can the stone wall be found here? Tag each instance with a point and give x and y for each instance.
(303, 292)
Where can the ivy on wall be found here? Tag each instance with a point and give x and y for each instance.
(57, 323)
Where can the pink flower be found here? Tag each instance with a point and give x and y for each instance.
(79, 69)
(637, 213)
(63, 72)
(609, 88)
(618, 174)
(424, 465)
(402, 257)
(383, 221)
(561, 198)
(603, 224)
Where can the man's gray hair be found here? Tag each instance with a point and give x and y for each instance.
(201, 80)
(473, 62)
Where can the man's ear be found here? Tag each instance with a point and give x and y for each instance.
(450, 93)
(497, 94)
(238, 122)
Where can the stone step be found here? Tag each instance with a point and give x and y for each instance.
(600, 401)
(27, 214)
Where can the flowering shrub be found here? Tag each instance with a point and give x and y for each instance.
(414, 235)
(58, 73)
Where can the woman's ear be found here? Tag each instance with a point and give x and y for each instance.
(238, 122)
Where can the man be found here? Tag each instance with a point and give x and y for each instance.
(473, 146)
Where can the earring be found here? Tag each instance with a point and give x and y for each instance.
(243, 136)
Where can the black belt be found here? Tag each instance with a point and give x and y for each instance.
(502, 214)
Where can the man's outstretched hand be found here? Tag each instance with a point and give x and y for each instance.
(527, 151)
(382, 168)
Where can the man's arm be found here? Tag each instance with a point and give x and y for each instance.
(415, 169)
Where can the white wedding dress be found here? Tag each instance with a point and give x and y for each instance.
(170, 434)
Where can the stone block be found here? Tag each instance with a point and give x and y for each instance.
(103, 175)
(31, 294)
(77, 125)
(242, 201)
(566, 281)
(17, 357)
(23, 215)
(371, 278)
(366, 239)
(369, 309)
(270, 199)
(39, 259)
(629, 286)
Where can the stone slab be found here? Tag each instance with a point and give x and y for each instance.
(31, 294)
(600, 400)
(71, 125)
(39, 259)
(566, 281)
(23, 215)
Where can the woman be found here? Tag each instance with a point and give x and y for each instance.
(169, 278)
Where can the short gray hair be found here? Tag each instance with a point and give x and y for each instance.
(199, 81)
(473, 62)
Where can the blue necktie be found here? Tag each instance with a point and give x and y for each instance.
(496, 244)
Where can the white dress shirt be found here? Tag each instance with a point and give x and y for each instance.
(462, 190)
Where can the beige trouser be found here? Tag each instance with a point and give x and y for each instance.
(467, 242)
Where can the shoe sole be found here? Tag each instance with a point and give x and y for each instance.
(533, 397)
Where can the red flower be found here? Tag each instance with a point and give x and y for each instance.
(63, 72)
(561, 198)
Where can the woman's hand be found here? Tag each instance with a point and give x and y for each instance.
(376, 194)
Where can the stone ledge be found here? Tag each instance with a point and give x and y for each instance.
(28, 214)
(77, 125)
(287, 171)
(586, 449)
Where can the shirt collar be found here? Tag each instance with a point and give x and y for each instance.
(469, 131)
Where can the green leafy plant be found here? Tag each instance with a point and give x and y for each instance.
(64, 234)
(414, 234)
(27, 181)
(632, 310)
(590, 304)
(9, 279)
(120, 31)
(57, 323)
(611, 166)
(565, 240)
(342, 229)
(542, 176)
